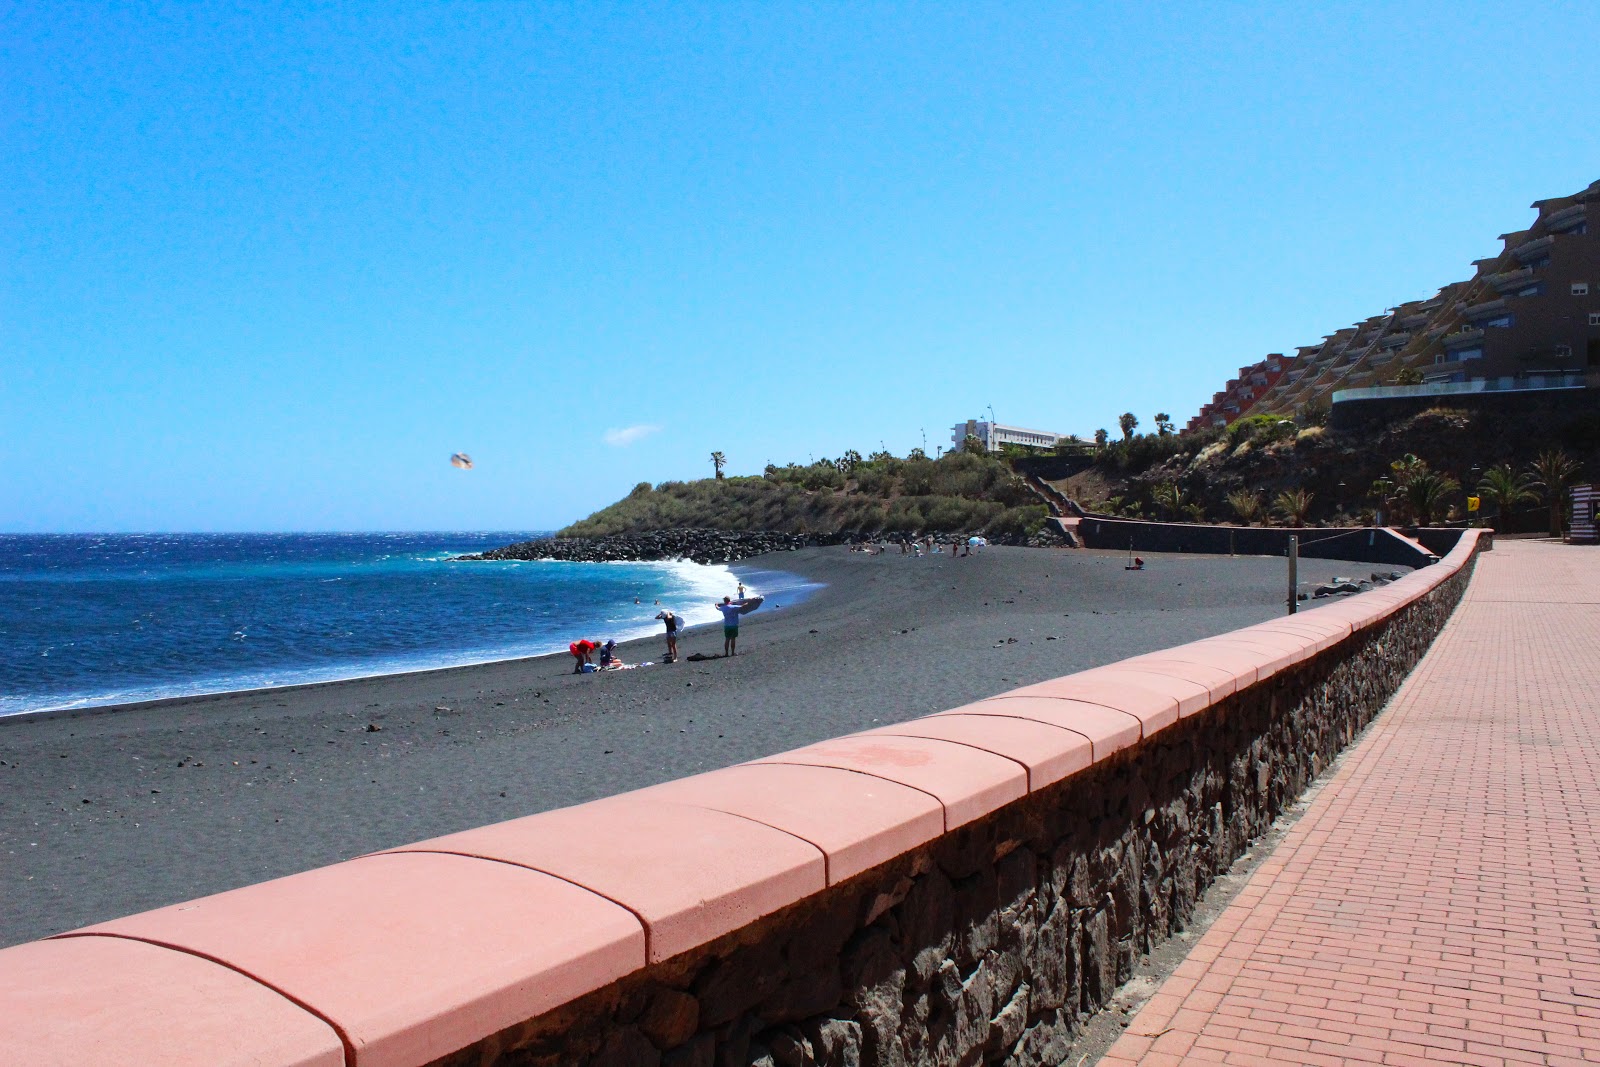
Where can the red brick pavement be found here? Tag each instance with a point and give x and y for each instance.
(1439, 902)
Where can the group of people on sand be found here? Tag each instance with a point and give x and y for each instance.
(926, 545)
(583, 650)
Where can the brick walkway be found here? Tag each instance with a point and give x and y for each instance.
(1440, 900)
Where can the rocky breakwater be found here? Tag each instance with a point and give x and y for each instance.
(701, 546)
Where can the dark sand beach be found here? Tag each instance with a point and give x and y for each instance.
(108, 812)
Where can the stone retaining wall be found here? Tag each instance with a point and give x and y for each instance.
(960, 889)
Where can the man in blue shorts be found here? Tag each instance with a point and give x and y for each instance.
(730, 626)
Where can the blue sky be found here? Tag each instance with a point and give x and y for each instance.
(265, 267)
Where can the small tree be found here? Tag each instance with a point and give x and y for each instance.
(1383, 492)
(849, 461)
(972, 444)
(1169, 498)
(1314, 413)
(718, 461)
(1101, 439)
(1406, 376)
(1506, 489)
(1427, 494)
(1294, 505)
(1129, 423)
(1246, 503)
(1164, 426)
(1553, 474)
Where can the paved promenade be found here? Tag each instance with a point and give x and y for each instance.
(1440, 900)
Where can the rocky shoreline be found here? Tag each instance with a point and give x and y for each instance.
(700, 546)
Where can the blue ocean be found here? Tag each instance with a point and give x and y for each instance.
(92, 619)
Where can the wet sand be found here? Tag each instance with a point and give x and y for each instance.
(108, 812)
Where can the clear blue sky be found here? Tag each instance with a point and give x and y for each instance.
(265, 267)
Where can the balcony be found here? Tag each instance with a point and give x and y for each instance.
(1535, 249)
(1395, 340)
(1486, 310)
(1506, 384)
(1415, 322)
(1569, 217)
(1512, 280)
(1464, 336)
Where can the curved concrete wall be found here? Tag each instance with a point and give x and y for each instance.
(1363, 544)
(949, 889)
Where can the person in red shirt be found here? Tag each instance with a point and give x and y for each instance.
(581, 651)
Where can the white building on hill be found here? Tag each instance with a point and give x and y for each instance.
(994, 434)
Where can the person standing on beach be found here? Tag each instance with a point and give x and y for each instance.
(730, 626)
(671, 622)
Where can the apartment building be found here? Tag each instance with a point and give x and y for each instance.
(1529, 318)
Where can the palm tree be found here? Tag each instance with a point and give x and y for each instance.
(718, 461)
(1553, 474)
(1406, 376)
(1427, 494)
(1294, 506)
(1163, 423)
(1129, 423)
(1506, 489)
(1101, 437)
(1169, 498)
(1246, 503)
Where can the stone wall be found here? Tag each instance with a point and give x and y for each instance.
(994, 943)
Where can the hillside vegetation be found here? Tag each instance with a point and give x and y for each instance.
(963, 492)
(1440, 455)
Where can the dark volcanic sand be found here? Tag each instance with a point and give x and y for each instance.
(98, 819)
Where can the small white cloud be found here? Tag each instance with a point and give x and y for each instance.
(628, 435)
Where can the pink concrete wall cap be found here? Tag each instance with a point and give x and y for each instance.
(1218, 681)
(411, 956)
(1107, 729)
(1326, 632)
(1191, 696)
(857, 820)
(1244, 664)
(968, 782)
(1273, 652)
(1154, 709)
(1048, 753)
(88, 1001)
(1299, 646)
(1311, 637)
(1359, 613)
(690, 873)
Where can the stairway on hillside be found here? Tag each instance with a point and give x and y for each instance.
(1064, 511)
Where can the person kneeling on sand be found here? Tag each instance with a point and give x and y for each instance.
(581, 651)
(609, 660)
(730, 626)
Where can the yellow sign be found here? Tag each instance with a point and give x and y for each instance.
(1472, 503)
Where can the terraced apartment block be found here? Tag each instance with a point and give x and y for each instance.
(1528, 319)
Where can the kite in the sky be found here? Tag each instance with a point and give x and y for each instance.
(462, 461)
